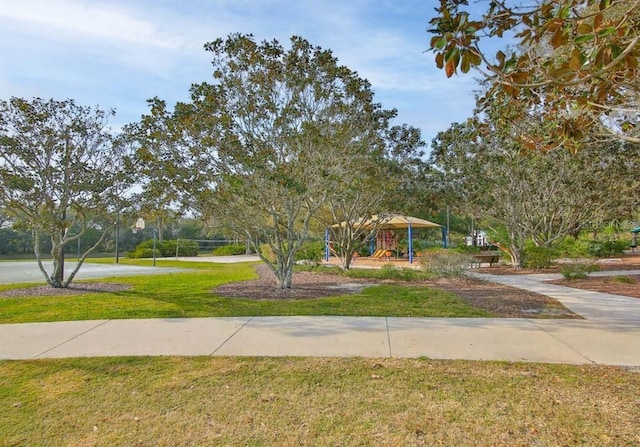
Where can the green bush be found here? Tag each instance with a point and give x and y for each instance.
(141, 252)
(311, 251)
(447, 264)
(574, 248)
(605, 249)
(578, 270)
(185, 248)
(164, 249)
(230, 250)
(266, 251)
(538, 257)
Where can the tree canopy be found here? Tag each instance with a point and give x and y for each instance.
(280, 137)
(60, 168)
(576, 61)
(539, 196)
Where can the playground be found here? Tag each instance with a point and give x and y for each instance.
(392, 236)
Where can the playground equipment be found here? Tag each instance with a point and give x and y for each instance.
(386, 226)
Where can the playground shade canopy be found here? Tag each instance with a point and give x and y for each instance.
(391, 221)
(636, 230)
(398, 221)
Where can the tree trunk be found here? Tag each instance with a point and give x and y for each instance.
(57, 255)
(347, 260)
(516, 257)
(284, 275)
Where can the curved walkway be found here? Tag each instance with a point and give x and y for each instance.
(608, 334)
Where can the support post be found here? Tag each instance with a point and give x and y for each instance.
(326, 245)
(410, 245)
(154, 247)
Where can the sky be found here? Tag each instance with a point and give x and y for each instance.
(117, 54)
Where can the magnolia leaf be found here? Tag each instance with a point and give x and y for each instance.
(510, 65)
(520, 77)
(582, 101)
(597, 22)
(451, 54)
(501, 57)
(584, 38)
(606, 31)
(450, 68)
(615, 51)
(563, 73)
(604, 4)
(584, 28)
(559, 38)
(464, 62)
(576, 60)
(474, 57)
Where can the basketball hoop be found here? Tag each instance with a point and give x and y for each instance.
(138, 226)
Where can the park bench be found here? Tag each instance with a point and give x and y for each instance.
(487, 257)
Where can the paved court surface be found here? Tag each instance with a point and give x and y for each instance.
(28, 271)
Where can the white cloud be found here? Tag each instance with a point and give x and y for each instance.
(81, 19)
(117, 53)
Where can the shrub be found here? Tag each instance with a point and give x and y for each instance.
(230, 250)
(605, 249)
(574, 248)
(185, 248)
(141, 252)
(311, 251)
(447, 264)
(538, 257)
(578, 270)
(164, 249)
(266, 251)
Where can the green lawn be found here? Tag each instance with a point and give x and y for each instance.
(312, 401)
(190, 294)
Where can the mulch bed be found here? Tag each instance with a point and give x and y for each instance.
(72, 289)
(305, 285)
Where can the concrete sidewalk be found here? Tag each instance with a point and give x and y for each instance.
(609, 335)
(548, 341)
(587, 304)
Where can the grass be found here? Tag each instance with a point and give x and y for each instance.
(190, 294)
(624, 280)
(292, 401)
